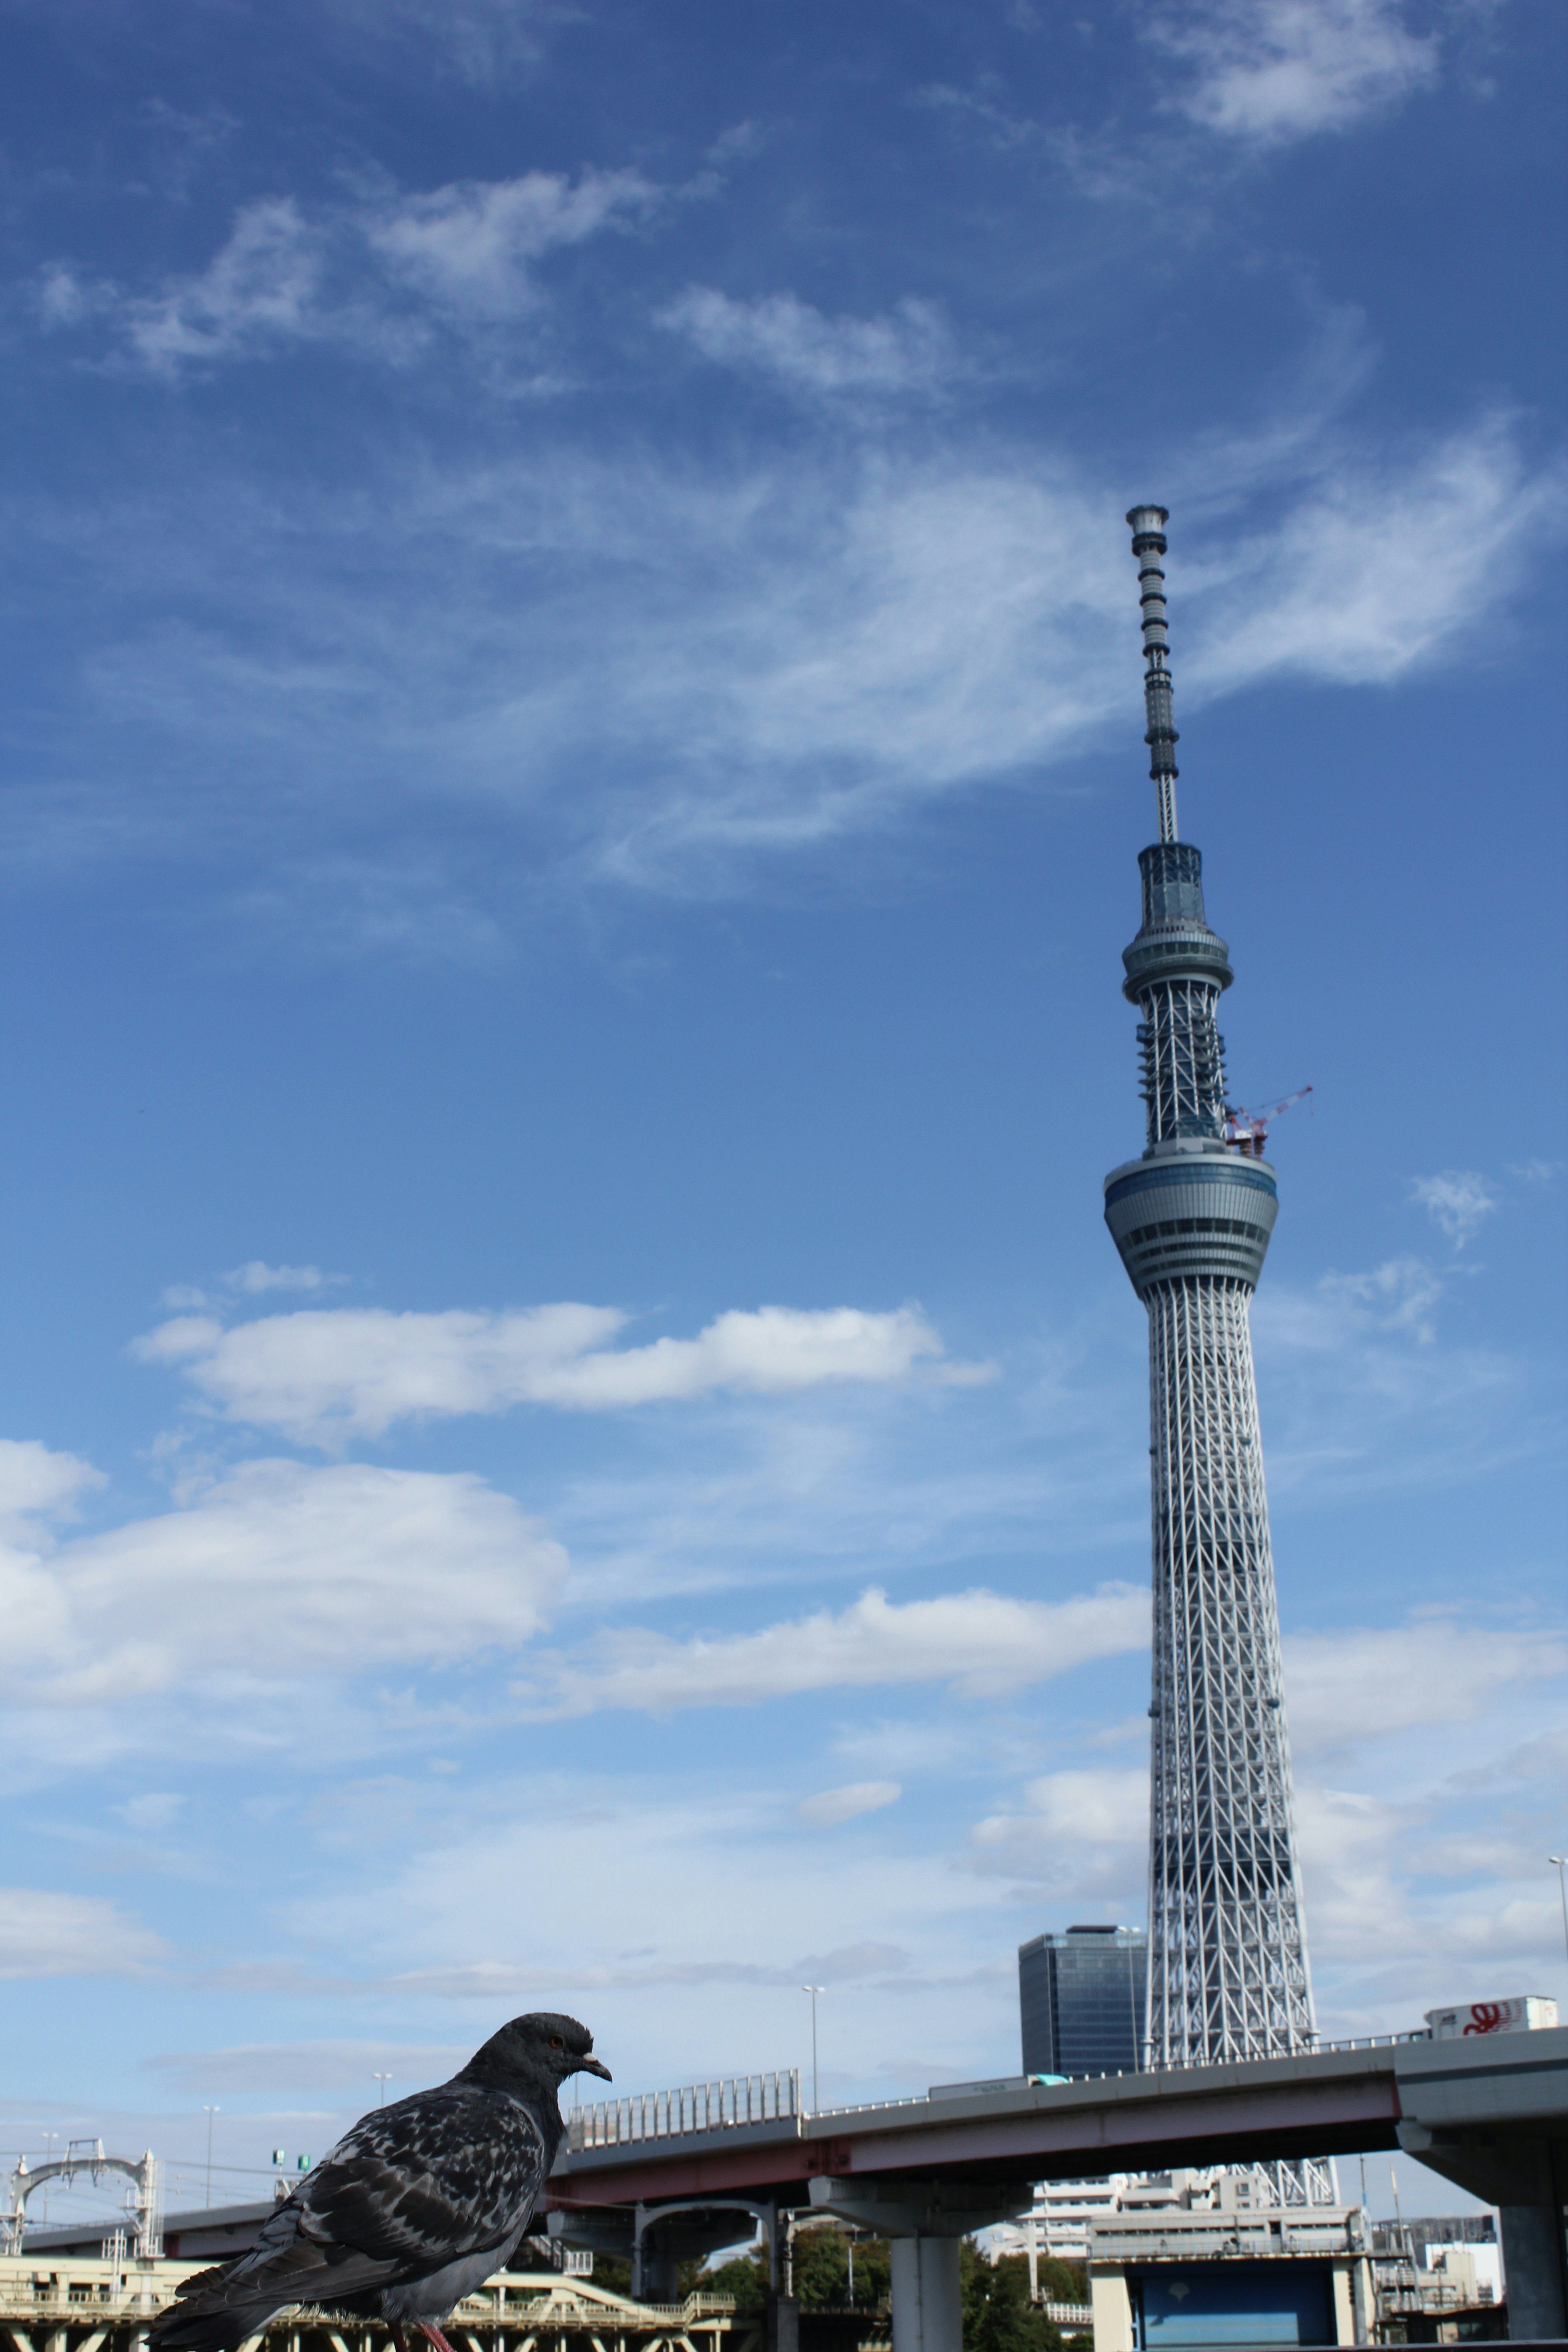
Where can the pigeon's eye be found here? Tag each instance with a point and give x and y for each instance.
(556, 2042)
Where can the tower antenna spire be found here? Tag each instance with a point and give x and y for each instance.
(1148, 527)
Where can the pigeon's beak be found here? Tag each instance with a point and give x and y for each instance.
(594, 2066)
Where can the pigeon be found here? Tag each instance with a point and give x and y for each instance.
(414, 2208)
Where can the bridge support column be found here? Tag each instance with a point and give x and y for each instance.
(928, 2311)
(1532, 2268)
(1526, 2178)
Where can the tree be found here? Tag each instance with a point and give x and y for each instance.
(998, 2316)
(745, 2276)
(1062, 2281)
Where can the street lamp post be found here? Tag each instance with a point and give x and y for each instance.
(381, 2095)
(814, 1990)
(1561, 1862)
(209, 2113)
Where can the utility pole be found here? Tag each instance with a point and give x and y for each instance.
(1561, 1862)
(209, 2113)
(814, 1990)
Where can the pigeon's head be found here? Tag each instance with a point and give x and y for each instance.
(536, 2053)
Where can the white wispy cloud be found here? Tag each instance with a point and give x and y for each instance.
(1336, 591)
(483, 42)
(907, 349)
(779, 662)
(1267, 71)
(468, 248)
(1458, 1200)
(255, 1275)
(373, 272)
(1363, 1391)
(311, 2066)
(276, 1573)
(43, 1934)
(829, 1807)
(759, 1916)
(1361, 1684)
(981, 1644)
(325, 1376)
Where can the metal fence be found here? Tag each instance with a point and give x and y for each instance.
(696, 2107)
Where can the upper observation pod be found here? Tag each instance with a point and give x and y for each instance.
(1175, 941)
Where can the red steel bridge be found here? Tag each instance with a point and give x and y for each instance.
(670, 2176)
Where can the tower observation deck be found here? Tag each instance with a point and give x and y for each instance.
(1227, 1953)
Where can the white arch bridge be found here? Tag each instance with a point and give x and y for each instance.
(86, 2157)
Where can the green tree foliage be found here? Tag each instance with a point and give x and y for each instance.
(745, 2276)
(997, 2314)
(1062, 2281)
(822, 2269)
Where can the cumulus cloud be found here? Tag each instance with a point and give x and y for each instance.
(1458, 1200)
(323, 1377)
(1089, 1829)
(35, 1481)
(907, 349)
(276, 1572)
(831, 1806)
(373, 273)
(47, 1934)
(980, 1643)
(1267, 71)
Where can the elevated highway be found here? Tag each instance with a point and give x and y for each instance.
(1490, 2113)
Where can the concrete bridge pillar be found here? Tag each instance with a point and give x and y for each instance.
(924, 2219)
(1525, 2176)
(928, 2311)
(1534, 2269)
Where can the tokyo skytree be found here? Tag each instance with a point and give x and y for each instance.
(1227, 1950)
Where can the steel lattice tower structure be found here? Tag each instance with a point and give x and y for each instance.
(1227, 1952)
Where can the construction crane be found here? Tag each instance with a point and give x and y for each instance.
(1247, 1130)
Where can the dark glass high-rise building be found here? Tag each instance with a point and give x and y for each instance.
(1081, 2000)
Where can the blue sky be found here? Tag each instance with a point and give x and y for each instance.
(572, 749)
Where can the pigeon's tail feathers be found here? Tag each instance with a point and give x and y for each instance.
(207, 2327)
(219, 2309)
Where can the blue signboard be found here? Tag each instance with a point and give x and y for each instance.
(1234, 2303)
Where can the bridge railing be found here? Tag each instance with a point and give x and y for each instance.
(695, 2107)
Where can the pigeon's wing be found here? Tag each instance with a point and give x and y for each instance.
(420, 2184)
(410, 2189)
